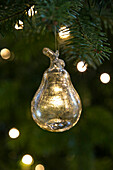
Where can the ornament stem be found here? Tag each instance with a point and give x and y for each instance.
(52, 55)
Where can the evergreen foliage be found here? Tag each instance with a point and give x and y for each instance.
(88, 40)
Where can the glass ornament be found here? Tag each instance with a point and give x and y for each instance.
(56, 106)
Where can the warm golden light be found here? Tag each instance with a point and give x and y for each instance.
(105, 78)
(35, 12)
(57, 89)
(19, 25)
(5, 53)
(64, 32)
(56, 101)
(81, 66)
(27, 159)
(31, 12)
(14, 133)
(39, 167)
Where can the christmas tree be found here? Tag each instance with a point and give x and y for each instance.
(81, 31)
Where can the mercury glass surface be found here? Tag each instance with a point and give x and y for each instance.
(56, 105)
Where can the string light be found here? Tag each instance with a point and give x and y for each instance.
(39, 167)
(27, 159)
(64, 32)
(5, 53)
(105, 78)
(19, 25)
(31, 11)
(14, 133)
(81, 66)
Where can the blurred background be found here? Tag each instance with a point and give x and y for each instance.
(88, 145)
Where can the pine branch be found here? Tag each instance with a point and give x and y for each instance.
(87, 41)
(16, 14)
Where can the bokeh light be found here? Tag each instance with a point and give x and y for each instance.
(105, 78)
(14, 133)
(27, 159)
(31, 11)
(19, 25)
(81, 66)
(5, 53)
(64, 32)
(39, 167)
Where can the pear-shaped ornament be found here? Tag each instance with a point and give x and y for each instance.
(56, 106)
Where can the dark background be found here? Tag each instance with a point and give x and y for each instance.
(87, 146)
